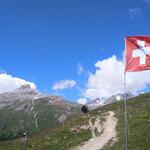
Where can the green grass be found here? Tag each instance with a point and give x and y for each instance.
(63, 138)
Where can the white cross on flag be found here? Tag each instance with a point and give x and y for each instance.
(137, 53)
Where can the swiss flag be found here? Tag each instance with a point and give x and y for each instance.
(137, 53)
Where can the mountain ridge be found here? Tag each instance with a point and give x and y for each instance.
(27, 109)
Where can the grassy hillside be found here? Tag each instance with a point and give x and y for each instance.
(64, 137)
(14, 122)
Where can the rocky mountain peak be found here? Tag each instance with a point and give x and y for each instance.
(26, 86)
(25, 89)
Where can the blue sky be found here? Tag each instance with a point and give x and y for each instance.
(43, 41)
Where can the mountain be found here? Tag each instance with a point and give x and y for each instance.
(76, 130)
(95, 103)
(118, 97)
(27, 110)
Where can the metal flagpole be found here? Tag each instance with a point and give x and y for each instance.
(125, 113)
(125, 103)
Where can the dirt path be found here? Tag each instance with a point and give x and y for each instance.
(109, 132)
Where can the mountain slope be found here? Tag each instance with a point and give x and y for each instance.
(26, 110)
(107, 131)
(75, 130)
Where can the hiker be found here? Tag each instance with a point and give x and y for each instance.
(84, 109)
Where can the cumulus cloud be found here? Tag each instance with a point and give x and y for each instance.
(82, 101)
(80, 69)
(108, 79)
(64, 84)
(134, 12)
(9, 83)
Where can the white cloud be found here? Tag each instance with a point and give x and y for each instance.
(80, 69)
(108, 79)
(9, 83)
(134, 12)
(82, 101)
(64, 84)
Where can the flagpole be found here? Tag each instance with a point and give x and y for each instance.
(125, 102)
(125, 113)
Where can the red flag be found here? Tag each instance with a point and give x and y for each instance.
(137, 53)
